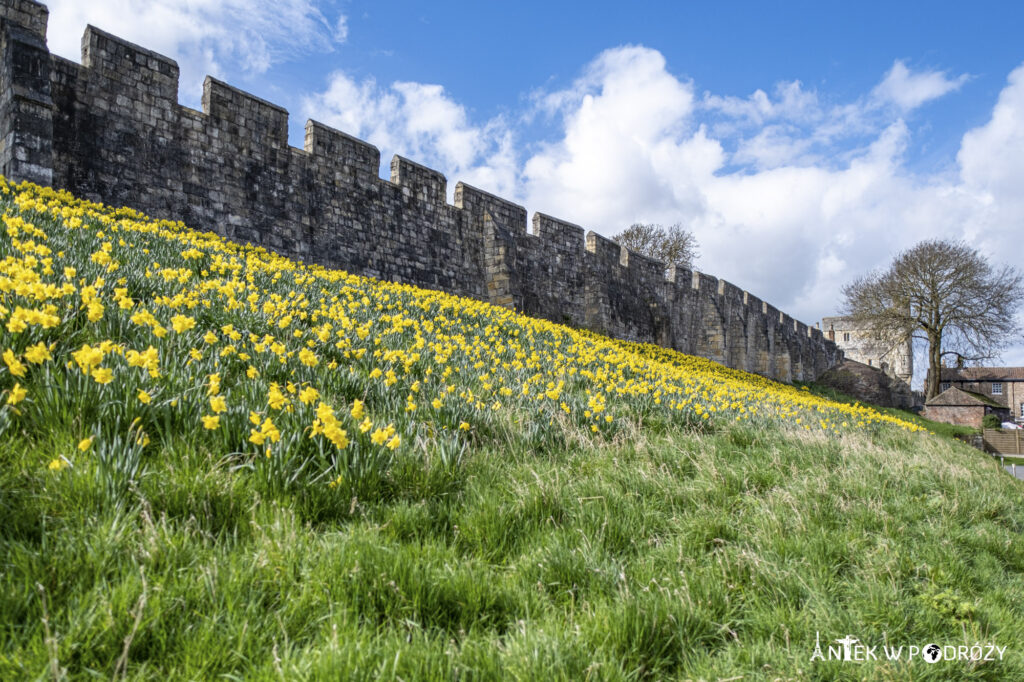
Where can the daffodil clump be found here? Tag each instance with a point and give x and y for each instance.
(114, 326)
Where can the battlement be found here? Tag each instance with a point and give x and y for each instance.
(418, 182)
(604, 250)
(729, 289)
(546, 227)
(642, 265)
(344, 158)
(27, 14)
(475, 202)
(138, 69)
(245, 116)
(111, 129)
(702, 282)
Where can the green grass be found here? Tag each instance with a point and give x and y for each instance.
(538, 541)
(678, 555)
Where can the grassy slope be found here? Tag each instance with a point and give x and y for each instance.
(662, 548)
(940, 428)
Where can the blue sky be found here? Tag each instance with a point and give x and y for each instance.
(489, 56)
(803, 142)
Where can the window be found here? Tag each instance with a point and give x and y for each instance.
(997, 388)
(944, 386)
(846, 336)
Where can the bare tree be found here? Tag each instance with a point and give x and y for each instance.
(946, 294)
(672, 245)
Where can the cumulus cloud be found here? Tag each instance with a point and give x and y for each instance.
(791, 102)
(790, 196)
(991, 174)
(420, 121)
(794, 126)
(774, 146)
(627, 132)
(204, 36)
(990, 156)
(991, 170)
(908, 90)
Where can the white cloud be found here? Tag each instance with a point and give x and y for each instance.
(341, 29)
(794, 125)
(423, 123)
(990, 156)
(910, 90)
(203, 36)
(803, 214)
(992, 168)
(791, 103)
(790, 198)
(774, 146)
(628, 132)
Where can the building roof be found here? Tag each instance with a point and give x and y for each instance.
(844, 323)
(983, 374)
(956, 397)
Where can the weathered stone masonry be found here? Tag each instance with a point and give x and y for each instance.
(111, 130)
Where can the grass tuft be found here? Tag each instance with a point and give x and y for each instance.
(470, 494)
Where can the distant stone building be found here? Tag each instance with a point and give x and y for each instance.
(965, 408)
(1001, 385)
(895, 357)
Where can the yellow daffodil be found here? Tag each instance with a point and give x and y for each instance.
(38, 354)
(309, 395)
(103, 375)
(14, 366)
(182, 323)
(16, 395)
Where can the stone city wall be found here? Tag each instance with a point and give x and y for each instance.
(111, 130)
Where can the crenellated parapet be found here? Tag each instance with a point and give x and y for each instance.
(339, 159)
(249, 121)
(116, 64)
(28, 15)
(111, 129)
(424, 186)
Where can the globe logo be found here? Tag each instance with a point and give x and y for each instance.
(932, 653)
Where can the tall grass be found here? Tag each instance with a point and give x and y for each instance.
(678, 555)
(711, 529)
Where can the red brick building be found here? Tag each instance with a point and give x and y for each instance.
(1003, 385)
(956, 406)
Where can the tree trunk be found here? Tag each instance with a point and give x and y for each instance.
(934, 365)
